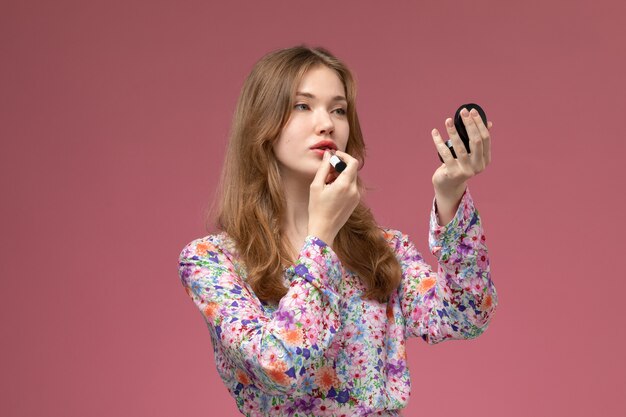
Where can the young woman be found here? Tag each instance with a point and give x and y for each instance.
(308, 301)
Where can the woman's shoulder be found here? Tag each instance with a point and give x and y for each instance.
(214, 250)
(212, 245)
(395, 238)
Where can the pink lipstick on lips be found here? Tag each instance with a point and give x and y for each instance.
(330, 146)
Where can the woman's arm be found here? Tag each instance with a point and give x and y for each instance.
(270, 351)
(459, 300)
(446, 205)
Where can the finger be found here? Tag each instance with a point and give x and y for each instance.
(477, 156)
(457, 143)
(443, 150)
(484, 133)
(472, 129)
(323, 170)
(476, 131)
(478, 121)
(331, 177)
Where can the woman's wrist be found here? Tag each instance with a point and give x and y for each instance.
(447, 203)
(322, 235)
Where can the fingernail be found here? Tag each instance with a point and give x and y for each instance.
(449, 122)
(474, 112)
(464, 112)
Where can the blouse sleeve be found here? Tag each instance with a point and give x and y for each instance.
(459, 300)
(270, 352)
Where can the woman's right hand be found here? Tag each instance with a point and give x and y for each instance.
(331, 204)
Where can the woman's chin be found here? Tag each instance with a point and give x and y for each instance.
(304, 172)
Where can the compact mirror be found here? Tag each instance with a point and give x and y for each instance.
(460, 127)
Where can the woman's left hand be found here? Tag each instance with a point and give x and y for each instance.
(451, 177)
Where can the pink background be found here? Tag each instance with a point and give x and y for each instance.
(114, 117)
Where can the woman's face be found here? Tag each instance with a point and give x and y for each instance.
(318, 118)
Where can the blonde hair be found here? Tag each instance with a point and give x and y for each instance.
(250, 200)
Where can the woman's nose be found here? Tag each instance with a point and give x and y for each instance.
(325, 125)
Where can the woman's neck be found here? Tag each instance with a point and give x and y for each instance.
(296, 215)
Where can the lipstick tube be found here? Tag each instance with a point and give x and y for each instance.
(337, 162)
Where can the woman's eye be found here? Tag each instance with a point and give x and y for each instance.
(301, 106)
(341, 111)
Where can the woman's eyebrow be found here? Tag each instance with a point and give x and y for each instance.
(311, 96)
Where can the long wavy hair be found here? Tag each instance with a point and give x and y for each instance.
(250, 204)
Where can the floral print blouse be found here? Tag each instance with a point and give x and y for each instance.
(322, 350)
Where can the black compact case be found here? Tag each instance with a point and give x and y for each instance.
(460, 127)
